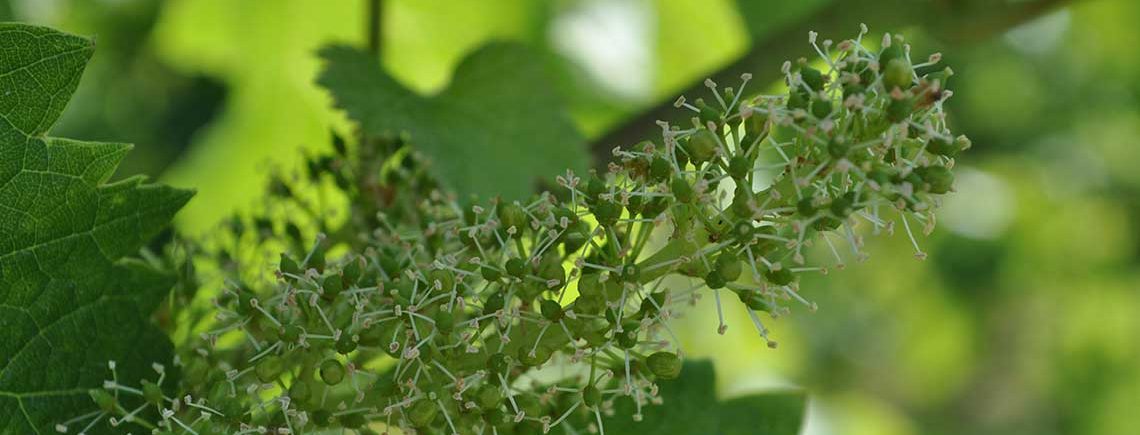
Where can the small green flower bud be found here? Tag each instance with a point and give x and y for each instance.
(627, 338)
(591, 396)
(291, 333)
(513, 215)
(682, 190)
(444, 278)
(820, 108)
(332, 371)
(728, 266)
(289, 266)
(739, 167)
(444, 321)
(490, 273)
(596, 186)
(630, 273)
(353, 421)
(783, 276)
(898, 74)
(714, 280)
(842, 206)
(489, 397)
(701, 146)
(152, 393)
(551, 310)
(895, 51)
(899, 110)
(103, 399)
(938, 179)
(707, 113)
(300, 391)
(812, 77)
(269, 369)
(494, 303)
(798, 99)
(352, 272)
(345, 344)
(541, 355)
(607, 212)
(838, 148)
(422, 413)
(659, 169)
(665, 365)
(499, 363)
(323, 418)
(332, 286)
(743, 232)
(516, 267)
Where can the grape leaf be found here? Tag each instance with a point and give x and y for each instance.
(767, 413)
(496, 130)
(69, 300)
(691, 407)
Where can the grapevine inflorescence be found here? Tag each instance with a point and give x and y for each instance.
(430, 314)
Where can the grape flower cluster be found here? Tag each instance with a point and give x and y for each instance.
(432, 314)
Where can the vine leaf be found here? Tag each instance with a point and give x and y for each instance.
(691, 407)
(69, 300)
(496, 130)
(769, 413)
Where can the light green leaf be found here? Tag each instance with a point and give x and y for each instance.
(69, 302)
(496, 130)
(691, 408)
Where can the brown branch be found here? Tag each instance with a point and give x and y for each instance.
(947, 19)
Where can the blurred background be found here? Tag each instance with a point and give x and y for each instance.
(1025, 319)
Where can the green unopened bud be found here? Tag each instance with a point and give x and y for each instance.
(534, 357)
(898, 74)
(702, 146)
(729, 267)
(300, 391)
(591, 396)
(665, 365)
(103, 399)
(332, 371)
(739, 167)
(513, 215)
(489, 396)
(938, 179)
(152, 393)
(682, 190)
(345, 344)
(269, 368)
(812, 77)
(516, 267)
(422, 413)
(781, 276)
(551, 310)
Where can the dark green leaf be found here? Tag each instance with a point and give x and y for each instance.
(69, 302)
(690, 407)
(496, 130)
(770, 413)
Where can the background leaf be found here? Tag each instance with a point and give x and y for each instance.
(69, 302)
(770, 413)
(691, 407)
(496, 130)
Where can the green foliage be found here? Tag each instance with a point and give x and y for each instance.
(469, 303)
(70, 301)
(496, 130)
(692, 408)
